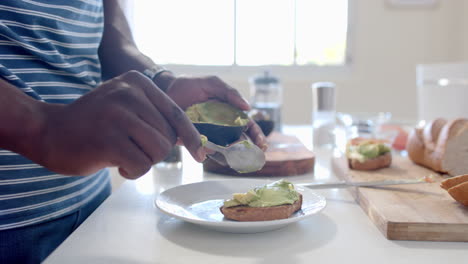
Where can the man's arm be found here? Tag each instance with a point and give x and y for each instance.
(21, 118)
(118, 52)
(124, 122)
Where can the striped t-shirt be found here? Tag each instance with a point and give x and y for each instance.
(48, 49)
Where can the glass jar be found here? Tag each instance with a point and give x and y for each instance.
(267, 96)
(323, 114)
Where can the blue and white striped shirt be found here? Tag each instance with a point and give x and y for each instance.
(48, 49)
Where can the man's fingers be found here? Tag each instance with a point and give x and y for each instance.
(175, 116)
(139, 147)
(235, 98)
(227, 93)
(132, 162)
(255, 133)
(149, 140)
(147, 112)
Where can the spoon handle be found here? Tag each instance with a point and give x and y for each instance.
(212, 146)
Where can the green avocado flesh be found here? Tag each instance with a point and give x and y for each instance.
(215, 112)
(203, 140)
(277, 193)
(366, 150)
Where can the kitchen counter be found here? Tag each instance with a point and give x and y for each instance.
(128, 228)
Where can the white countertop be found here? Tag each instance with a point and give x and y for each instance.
(128, 228)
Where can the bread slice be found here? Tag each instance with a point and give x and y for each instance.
(247, 213)
(457, 187)
(441, 149)
(460, 193)
(432, 131)
(453, 181)
(382, 161)
(453, 147)
(416, 147)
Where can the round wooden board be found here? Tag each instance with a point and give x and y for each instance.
(285, 156)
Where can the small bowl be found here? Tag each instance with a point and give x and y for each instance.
(266, 126)
(263, 119)
(363, 124)
(363, 118)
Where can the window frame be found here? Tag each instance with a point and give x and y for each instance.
(292, 72)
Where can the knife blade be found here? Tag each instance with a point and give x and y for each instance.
(346, 184)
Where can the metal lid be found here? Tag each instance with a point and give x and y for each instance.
(265, 79)
(324, 96)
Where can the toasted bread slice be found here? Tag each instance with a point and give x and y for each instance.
(382, 161)
(451, 182)
(247, 213)
(457, 187)
(459, 192)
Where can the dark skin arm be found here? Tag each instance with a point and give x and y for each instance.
(118, 52)
(126, 122)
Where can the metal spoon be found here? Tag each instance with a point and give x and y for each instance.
(242, 156)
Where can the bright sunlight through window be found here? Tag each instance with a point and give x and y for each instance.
(242, 32)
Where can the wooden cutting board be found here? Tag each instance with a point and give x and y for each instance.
(422, 212)
(285, 156)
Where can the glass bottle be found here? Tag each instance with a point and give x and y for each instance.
(267, 96)
(173, 159)
(323, 114)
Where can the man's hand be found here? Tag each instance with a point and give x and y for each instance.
(126, 122)
(186, 91)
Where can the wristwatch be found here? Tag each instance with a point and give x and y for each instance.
(154, 72)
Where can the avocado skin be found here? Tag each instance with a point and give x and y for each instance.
(218, 121)
(219, 134)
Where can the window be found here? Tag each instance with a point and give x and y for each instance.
(242, 32)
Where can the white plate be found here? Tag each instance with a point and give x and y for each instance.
(199, 203)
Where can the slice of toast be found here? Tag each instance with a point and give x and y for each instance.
(453, 181)
(459, 192)
(247, 213)
(382, 161)
(457, 187)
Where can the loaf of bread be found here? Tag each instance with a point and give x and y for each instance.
(441, 145)
(457, 187)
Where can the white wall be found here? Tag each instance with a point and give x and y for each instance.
(388, 43)
(464, 29)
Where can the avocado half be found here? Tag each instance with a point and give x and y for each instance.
(221, 123)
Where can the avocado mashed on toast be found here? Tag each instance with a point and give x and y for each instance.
(366, 149)
(277, 193)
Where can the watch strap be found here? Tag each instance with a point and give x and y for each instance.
(154, 72)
